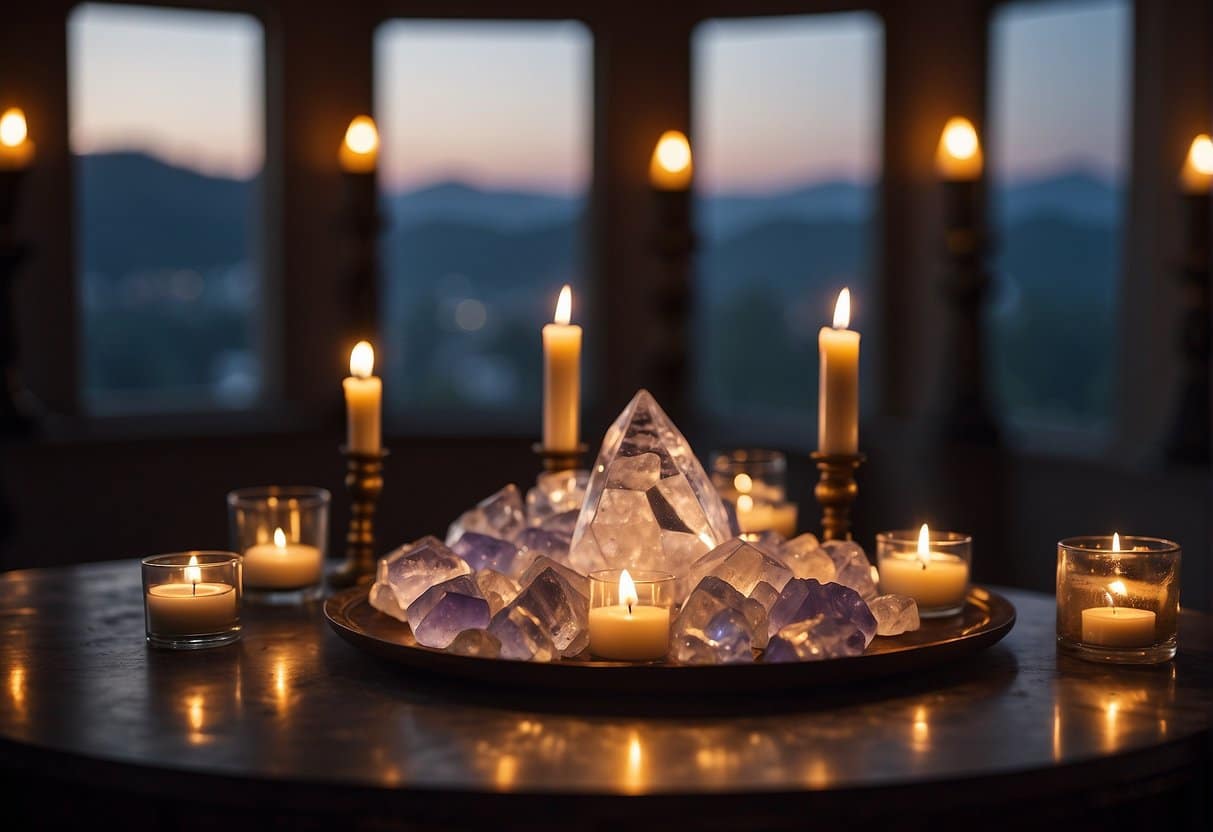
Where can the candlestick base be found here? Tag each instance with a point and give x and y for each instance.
(835, 491)
(364, 481)
(554, 460)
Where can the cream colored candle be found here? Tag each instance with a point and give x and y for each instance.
(754, 516)
(935, 580)
(562, 378)
(363, 401)
(1197, 174)
(958, 157)
(282, 564)
(16, 149)
(359, 151)
(191, 608)
(1118, 627)
(671, 167)
(838, 391)
(628, 631)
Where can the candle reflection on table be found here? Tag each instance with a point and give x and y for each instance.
(920, 733)
(634, 773)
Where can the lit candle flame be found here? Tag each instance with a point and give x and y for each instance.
(362, 136)
(924, 545)
(842, 309)
(743, 483)
(672, 165)
(362, 360)
(279, 539)
(13, 129)
(627, 591)
(193, 572)
(1115, 541)
(960, 138)
(1197, 173)
(564, 306)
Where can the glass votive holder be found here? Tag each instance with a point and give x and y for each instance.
(630, 614)
(281, 532)
(191, 600)
(932, 567)
(1118, 599)
(754, 480)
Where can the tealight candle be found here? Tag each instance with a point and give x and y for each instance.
(192, 600)
(281, 564)
(630, 617)
(282, 532)
(755, 516)
(935, 573)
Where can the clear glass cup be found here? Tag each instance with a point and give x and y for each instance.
(937, 579)
(1121, 604)
(754, 481)
(191, 600)
(630, 612)
(282, 534)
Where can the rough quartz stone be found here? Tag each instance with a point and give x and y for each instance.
(765, 594)
(555, 492)
(445, 610)
(482, 551)
(726, 638)
(563, 524)
(852, 567)
(561, 609)
(538, 542)
(498, 515)
(805, 557)
(816, 638)
(770, 543)
(894, 614)
(476, 643)
(804, 599)
(497, 589)
(741, 564)
(648, 504)
(403, 574)
(710, 597)
(574, 578)
(521, 635)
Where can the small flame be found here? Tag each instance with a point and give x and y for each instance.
(1200, 154)
(960, 138)
(842, 310)
(193, 572)
(362, 360)
(743, 483)
(13, 129)
(745, 503)
(673, 151)
(362, 136)
(279, 539)
(924, 545)
(1115, 541)
(564, 306)
(627, 591)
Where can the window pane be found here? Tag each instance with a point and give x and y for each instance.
(787, 143)
(167, 129)
(1059, 141)
(484, 169)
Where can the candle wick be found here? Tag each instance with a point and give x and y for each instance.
(195, 585)
(629, 608)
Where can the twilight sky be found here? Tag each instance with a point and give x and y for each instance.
(778, 102)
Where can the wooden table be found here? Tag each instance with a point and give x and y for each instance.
(292, 727)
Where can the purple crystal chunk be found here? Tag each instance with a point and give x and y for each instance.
(445, 610)
(499, 515)
(710, 597)
(476, 643)
(804, 599)
(820, 637)
(521, 635)
(484, 552)
(852, 567)
(403, 574)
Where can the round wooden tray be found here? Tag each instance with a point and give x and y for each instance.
(986, 618)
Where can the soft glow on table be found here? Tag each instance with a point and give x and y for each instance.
(282, 564)
(936, 580)
(360, 149)
(16, 149)
(562, 378)
(672, 166)
(1197, 174)
(363, 401)
(838, 391)
(958, 157)
(629, 631)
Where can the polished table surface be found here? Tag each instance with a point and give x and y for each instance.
(293, 714)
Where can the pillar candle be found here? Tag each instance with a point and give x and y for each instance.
(838, 392)
(363, 399)
(562, 378)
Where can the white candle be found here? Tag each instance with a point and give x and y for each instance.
(191, 608)
(16, 149)
(958, 157)
(562, 378)
(363, 398)
(838, 392)
(1197, 174)
(628, 631)
(757, 516)
(936, 580)
(282, 564)
(1118, 627)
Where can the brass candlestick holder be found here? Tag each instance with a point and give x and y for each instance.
(364, 481)
(554, 460)
(835, 491)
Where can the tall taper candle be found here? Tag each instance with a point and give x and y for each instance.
(838, 391)
(363, 397)
(562, 378)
